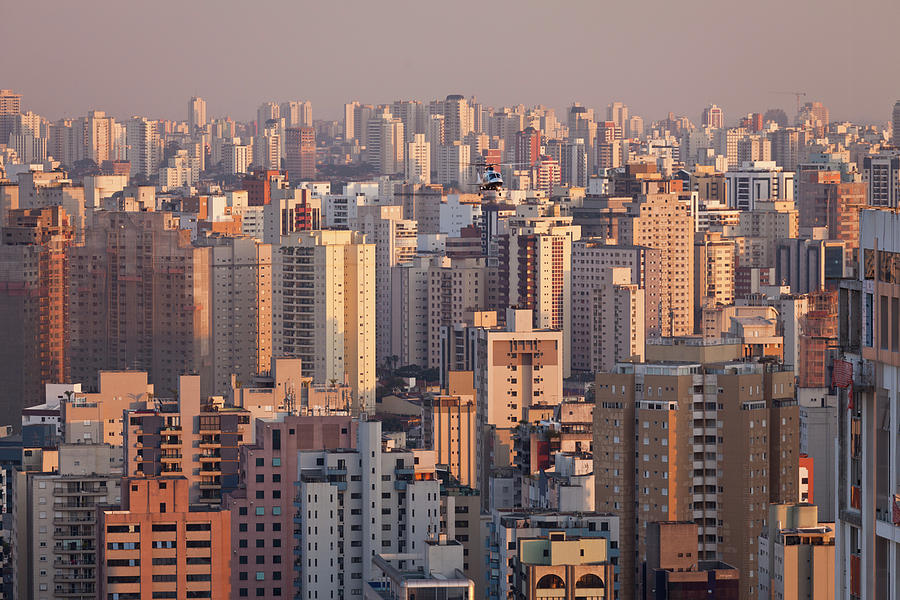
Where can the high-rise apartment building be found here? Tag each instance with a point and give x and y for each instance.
(56, 545)
(159, 546)
(196, 113)
(240, 287)
(617, 112)
(142, 146)
(262, 508)
(139, 298)
(536, 265)
(237, 157)
(710, 443)
(868, 493)
(10, 106)
(98, 132)
(395, 243)
(608, 320)
(354, 503)
(454, 168)
(431, 293)
(300, 153)
(528, 147)
(450, 426)
(457, 118)
(296, 113)
(573, 164)
(712, 117)
(418, 160)
(159, 438)
(663, 222)
(325, 308)
(267, 145)
(714, 263)
(385, 144)
(516, 367)
(33, 306)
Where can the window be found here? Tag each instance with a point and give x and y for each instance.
(260, 462)
(260, 576)
(260, 511)
(276, 462)
(276, 510)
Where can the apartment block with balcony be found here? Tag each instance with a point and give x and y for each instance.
(55, 522)
(353, 504)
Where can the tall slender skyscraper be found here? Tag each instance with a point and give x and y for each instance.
(895, 122)
(196, 113)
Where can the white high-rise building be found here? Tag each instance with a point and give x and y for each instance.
(355, 504)
(296, 113)
(143, 149)
(237, 157)
(98, 136)
(574, 165)
(458, 118)
(267, 149)
(395, 243)
(324, 308)
(418, 160)
(385, 144)
(196, 113)
(454, 165)
(434, 135)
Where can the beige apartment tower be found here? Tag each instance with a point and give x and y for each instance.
(240, 284)
(709, 443)
(450, 427)
(325, 300)
(516, 367)
(662, 221)
(395, 243)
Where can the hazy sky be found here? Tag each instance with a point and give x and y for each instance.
(67, 57)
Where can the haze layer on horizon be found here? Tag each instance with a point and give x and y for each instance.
(66, 58)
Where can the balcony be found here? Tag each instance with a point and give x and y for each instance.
(72, 520)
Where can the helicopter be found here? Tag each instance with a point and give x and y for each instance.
(491, 180)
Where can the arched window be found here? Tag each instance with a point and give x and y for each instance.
(550, 581)
(589, 580)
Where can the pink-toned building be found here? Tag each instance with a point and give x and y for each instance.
(262, 509)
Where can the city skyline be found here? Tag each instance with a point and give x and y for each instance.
(351, 60)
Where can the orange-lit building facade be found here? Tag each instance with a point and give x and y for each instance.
(158, 547)
(33, 306)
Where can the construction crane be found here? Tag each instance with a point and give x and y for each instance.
(797, 95)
